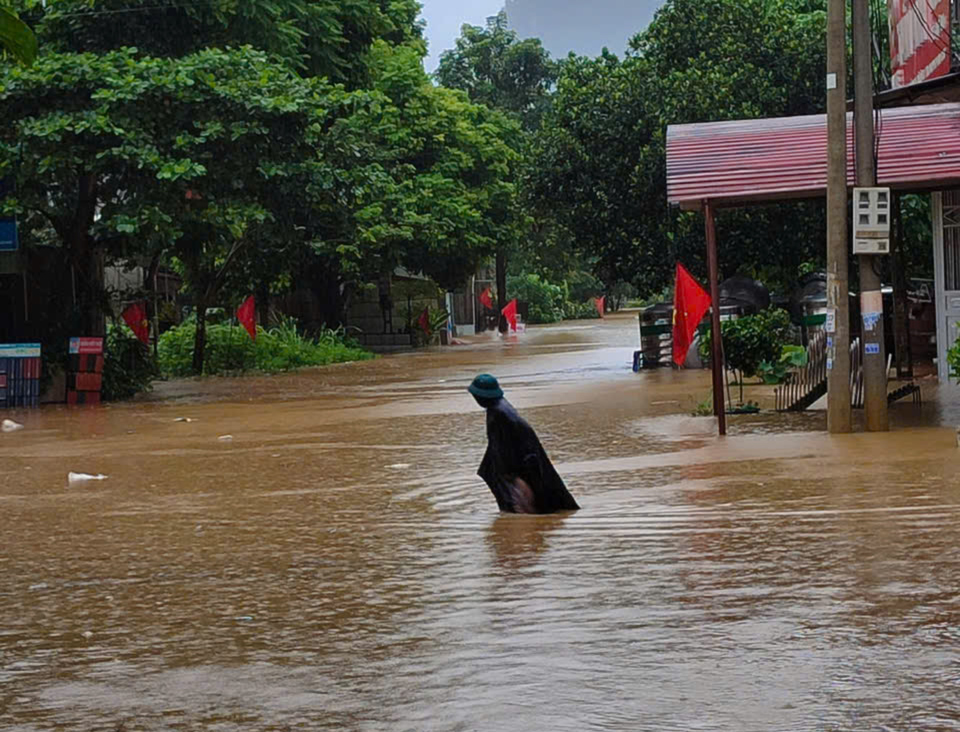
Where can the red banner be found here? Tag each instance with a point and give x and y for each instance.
(424, 321)
(510, 313)
(135, 316)
(690, 304)
(919, 40)
(601, 303)
(247, 315)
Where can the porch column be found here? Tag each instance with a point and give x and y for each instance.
(716, 345)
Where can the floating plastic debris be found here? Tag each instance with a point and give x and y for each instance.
(225, 438)
(9, 425)
(84, 477)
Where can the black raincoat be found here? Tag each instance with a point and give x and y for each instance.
(516, 466)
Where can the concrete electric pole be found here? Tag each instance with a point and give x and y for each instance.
(838, 305)
(871, 298)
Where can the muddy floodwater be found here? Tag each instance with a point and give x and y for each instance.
(337, 565)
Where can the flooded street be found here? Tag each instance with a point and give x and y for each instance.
(337, 565)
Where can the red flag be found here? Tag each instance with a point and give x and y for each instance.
(247, 315)
(486, 299)
(690, 304)
(510, 313)
(424, 321)
(601, 303)
(135, 316)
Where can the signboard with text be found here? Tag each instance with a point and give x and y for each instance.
(19, 350)
(86, 346)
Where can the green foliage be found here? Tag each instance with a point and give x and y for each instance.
(953, 360)
(16, 38)
(573, 310)
(703, 408)
(128, 367)
(751, 340)
(776, 372)
(582, 286)
(545, 301)
(230, 349)
(316, 37)
(599, 160)
(497, 69)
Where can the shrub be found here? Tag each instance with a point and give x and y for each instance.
(751, 340)
(580, 311)
(229, 349)
(545, 301)
(128, 367)
(581, 286)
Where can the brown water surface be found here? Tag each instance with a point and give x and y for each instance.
(338, 566)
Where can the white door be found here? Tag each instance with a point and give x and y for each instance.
(946, 258)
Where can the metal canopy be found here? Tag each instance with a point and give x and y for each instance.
(751, 161)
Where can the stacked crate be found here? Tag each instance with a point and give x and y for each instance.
(20, 368)
(85, 372)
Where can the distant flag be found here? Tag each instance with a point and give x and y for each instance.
(690, 304)
(486, 299)
(247, 315)
(601, 303)
(135, 316)
(424, 321)
(510, 313)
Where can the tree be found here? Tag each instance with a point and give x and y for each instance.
(195, 156)
(600, 160)
(494, 67)
(497, 69)
(438, 193)
(316, 37)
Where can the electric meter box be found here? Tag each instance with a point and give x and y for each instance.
(871, 220)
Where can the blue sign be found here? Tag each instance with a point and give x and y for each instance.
(8, 235)
(19, 350)
(871, 349)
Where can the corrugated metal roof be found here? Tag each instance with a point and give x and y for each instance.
(770, 159)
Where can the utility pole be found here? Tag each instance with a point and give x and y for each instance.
(871, 297)
(838, 305)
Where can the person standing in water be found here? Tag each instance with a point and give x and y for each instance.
(515, 466)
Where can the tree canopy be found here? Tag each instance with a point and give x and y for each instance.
(494, 67)
(314, 158)
(600, 162)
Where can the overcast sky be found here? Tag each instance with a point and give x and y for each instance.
(444, 18)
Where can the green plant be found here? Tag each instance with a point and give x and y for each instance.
(437, 320)
(545, 301)
(751, 340)
(128, 367)
(703, 408)
(580, 311)
(282, 347)
(775, 372)
(953, 360)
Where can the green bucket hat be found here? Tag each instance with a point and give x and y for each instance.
(486, 386)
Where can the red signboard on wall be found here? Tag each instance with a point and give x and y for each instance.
(919, 40)
(85, 346)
